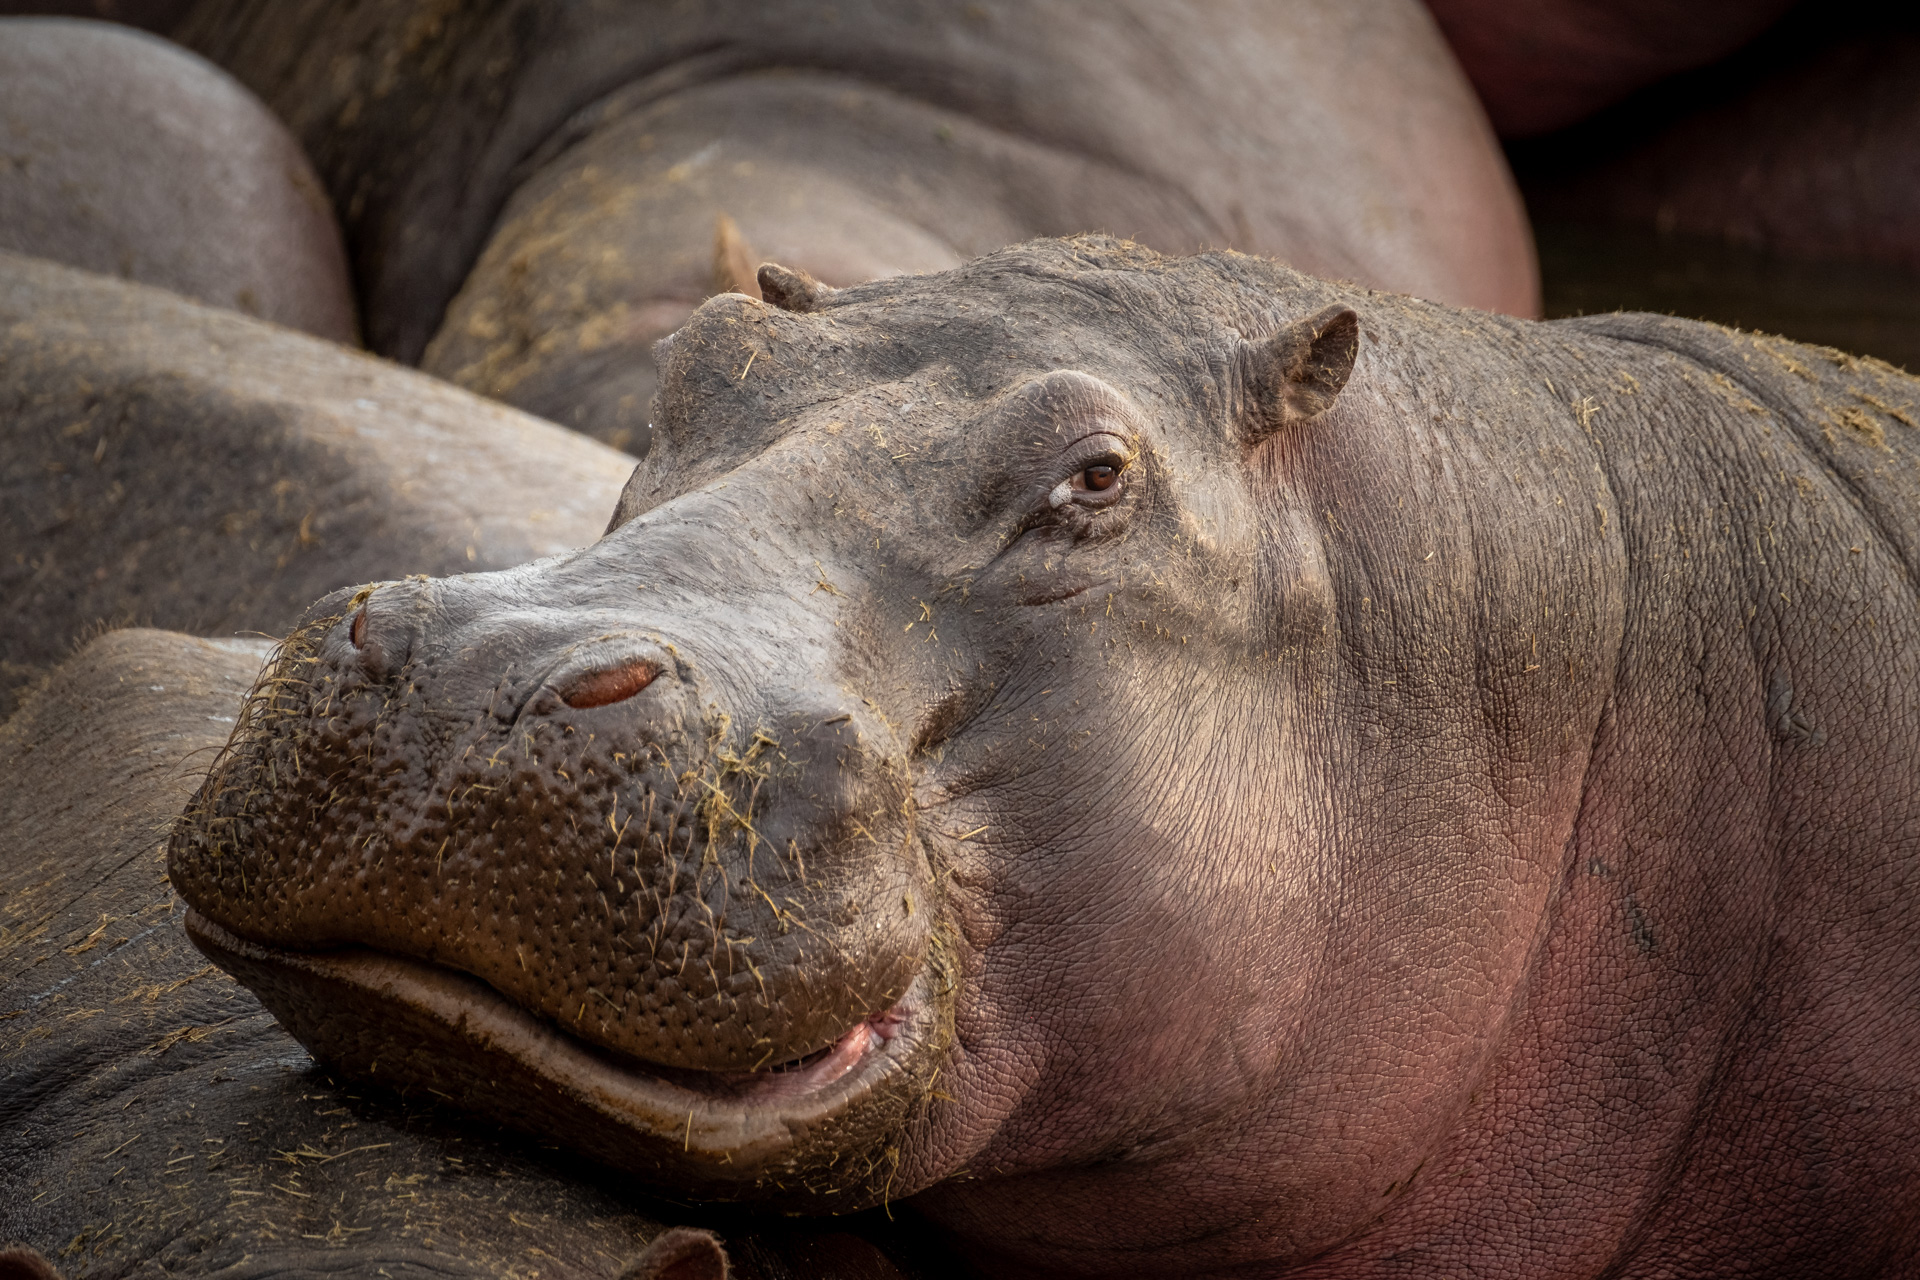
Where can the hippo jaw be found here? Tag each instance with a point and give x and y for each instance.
(582, 900)
(721, 1134)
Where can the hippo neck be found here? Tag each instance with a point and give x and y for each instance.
(1683, 1015)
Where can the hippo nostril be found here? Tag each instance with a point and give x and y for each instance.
(359, 632)
(615, 684)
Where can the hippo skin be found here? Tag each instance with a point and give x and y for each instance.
(1175, 766)
(535, 191)
(178, 465)
(1818, 160)
(130, 156)
(1780, 191)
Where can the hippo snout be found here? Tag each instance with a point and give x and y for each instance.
(579, 811)
(382, 631)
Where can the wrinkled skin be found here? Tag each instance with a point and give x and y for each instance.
(531, 189)
(129, 156)
(1235, 772)
(156, 1121)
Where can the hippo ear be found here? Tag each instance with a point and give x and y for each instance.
(1297, 374)
(791, 290)
(732, 259)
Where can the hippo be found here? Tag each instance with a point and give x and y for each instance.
(1817, 159)
(1166, 766)
(535, 191)
(130, 156)
(156, 1120)
(178, 465)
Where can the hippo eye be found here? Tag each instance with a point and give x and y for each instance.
(1095, 484)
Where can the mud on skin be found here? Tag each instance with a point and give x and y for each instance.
(1173, 764)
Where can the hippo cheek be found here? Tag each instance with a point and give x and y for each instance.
(588, 906)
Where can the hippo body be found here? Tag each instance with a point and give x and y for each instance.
(167, 463)
(129, 156)
(1779, 191)
(156, 1121)
(1175, 766)
(535, 192)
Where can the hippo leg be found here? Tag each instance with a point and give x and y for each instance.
(129, 156)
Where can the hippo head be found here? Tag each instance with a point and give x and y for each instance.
(947, 768)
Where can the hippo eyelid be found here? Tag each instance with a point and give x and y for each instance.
(1099, 444)
(1119, 434)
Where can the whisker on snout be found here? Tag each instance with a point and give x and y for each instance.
(603, 688)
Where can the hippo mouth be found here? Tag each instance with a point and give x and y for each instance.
(786, 1132)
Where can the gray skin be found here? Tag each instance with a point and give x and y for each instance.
(170, 464)
(1444, 799)
(130, 156)
(534, 191)
(156, 1121)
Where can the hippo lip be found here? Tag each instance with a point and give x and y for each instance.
(408, 1022)
(797, 1077)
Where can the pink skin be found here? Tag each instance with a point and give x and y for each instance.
(1037, 1095)
(818, 1071)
